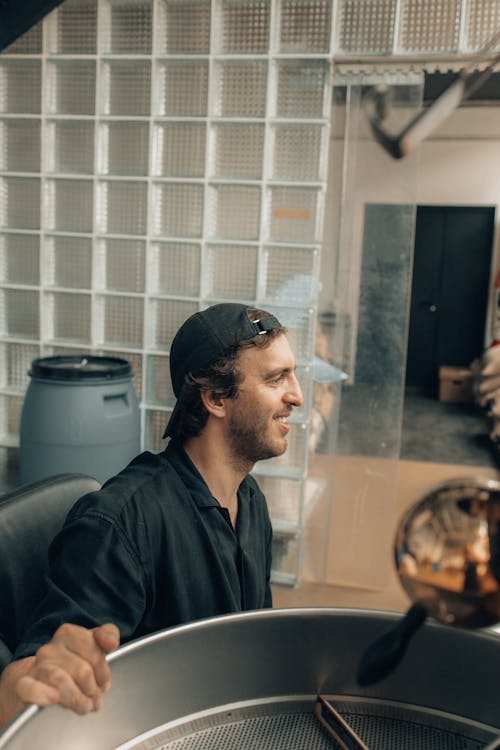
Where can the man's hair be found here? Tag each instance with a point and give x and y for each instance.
(222, 377)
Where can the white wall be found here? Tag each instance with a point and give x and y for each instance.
(458, 165)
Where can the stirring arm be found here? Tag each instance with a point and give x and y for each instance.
(339, 730)
(384, 654)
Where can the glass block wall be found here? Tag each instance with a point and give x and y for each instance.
(157, 156)
(409, 27)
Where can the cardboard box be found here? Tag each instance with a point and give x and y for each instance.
(455, 385)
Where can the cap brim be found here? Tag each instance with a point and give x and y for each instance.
(173, 419)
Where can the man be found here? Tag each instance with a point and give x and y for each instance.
(177, 536)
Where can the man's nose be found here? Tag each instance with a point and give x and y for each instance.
(294, 393)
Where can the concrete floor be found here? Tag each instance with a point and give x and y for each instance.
(452, 433)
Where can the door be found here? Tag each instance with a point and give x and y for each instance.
(450, 287)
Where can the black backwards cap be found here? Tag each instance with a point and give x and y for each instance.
(207, 336)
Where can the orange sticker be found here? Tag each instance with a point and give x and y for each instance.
(291, 213)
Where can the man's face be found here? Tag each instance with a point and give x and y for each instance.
(258, 418)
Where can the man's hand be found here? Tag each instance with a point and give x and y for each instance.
(71, 670)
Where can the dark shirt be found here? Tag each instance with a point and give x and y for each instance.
(152, 549)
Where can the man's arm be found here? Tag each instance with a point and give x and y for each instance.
(71, 670)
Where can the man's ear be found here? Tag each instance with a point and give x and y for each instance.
(213, 403)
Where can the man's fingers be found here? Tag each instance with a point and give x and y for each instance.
(72, 677)
(71, 669)
(52, 684)
(29, 690)
(107, 638)
(72, 692)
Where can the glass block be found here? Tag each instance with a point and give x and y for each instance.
(121, 264)
(243, 26)
(284, 496)
(19, 313)
(305, 25)
(29, 43)
(238, 151)
(304, 375)
(366, 26)
(127, 27)
(484, 16)
(16, 361)
(154, 427)
(122, 207)
(135, 361)
(72, 28)
(68, 317)
(230, 272)
(122, 320)
(61, 350)
(10, 415)
(20, 202)
(69, 146)
(285, 558)
(124, 148)
(70, 87)
(182, 89)
(125, 87)
(174, 268)
(297, 152)
(299, 323)
(164, 319)
(68, 262)
(20, 145)
(293, 214)
(19, 258)
(180, 149)
(235, 212)
(183, 27)
(158, 384)
(69, 205)
(290, 274)
(136, 365)
(240, 88)
(14, 408)
(293, 462)
(20, 86)
(178, 209)
(301, 88)
(440, 31)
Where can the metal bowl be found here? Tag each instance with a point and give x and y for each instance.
(250, 681)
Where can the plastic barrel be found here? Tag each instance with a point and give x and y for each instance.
(79, 414)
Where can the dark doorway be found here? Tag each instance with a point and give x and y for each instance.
(450, 288)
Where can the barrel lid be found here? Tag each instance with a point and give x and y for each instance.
(80, 367)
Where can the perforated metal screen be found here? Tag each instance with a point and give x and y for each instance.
(379, 725)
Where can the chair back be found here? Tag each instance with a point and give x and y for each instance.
(30, 517)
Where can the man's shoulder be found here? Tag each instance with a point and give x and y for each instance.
(147, 478)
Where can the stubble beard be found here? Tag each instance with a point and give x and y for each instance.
(248, 443)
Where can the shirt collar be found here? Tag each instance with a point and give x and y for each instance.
(179, 459)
